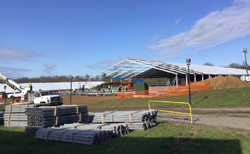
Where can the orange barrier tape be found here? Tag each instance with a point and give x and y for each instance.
(165, 91)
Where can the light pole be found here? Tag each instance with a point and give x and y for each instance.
(5, 95)
(188, 61)
(244, 51)
(71, 78)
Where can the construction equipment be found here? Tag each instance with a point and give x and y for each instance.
(27, 95)
(24, 91)
(3, 95)
(128, 84)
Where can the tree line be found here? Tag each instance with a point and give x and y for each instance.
(56, 78)
(232, 65)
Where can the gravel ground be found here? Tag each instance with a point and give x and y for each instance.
(237, 118)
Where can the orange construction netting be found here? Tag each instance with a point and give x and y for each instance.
(181, 90)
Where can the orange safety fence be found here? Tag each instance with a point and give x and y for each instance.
(165, 91)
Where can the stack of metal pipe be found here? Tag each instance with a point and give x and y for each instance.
(136, 126)
(105, 126)
(31, 130)
(1, 117)
(15, 115)
(115, 129)
(89, 137)
(56, 116)
(43, 117)
(137, 120)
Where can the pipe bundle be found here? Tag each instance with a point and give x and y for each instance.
(1, 118)
(56, 116)
(105, 126)
(89, 137)
(137, 120)
(115, 129)
(31, 130)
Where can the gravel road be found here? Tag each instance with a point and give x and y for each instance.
(238, 118)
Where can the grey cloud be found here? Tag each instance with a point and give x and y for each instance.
(156, 37)
(13, 54)
(49, 68)
(177, 21)
(216, 28)
(102, 64)
(11, 72)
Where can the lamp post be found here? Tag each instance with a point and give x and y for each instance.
(70, 94)
(244, 51)
(5, 95)
(188, 61)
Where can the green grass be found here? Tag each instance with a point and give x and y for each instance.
(164, 138)
(210, 98)
(230, 97)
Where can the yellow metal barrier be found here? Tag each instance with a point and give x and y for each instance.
(150, 101)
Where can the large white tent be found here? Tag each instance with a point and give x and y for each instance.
(53, 85)
(136, 68)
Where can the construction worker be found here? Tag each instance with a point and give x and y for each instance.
(109, 88)
(74, 90)
(30, 86)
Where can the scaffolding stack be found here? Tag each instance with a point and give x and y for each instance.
(31, 130)
(135, 120)
(116, 129)
(89, 137)
(1, 117)
(104, 126)
(57, 115)
(15, 115)
(69, 123)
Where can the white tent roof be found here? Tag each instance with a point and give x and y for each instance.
(214, 70)
(135, 68)
(53, 85)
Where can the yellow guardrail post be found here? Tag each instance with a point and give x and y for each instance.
(171, 102)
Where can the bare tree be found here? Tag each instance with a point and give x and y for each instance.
(235, 65)
(87, 77)
(56, 78)
(208, 64)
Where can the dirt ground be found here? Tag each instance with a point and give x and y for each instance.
(86, 100)
(228, 117)
(236, 118)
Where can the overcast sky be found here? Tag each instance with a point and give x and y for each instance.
(78, 37)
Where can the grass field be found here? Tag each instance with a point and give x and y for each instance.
(208, 98)
(164, 138)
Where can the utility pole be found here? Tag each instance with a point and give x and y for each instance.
(70, 96)
(188, 61)
(244, 51)
(5, 95)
